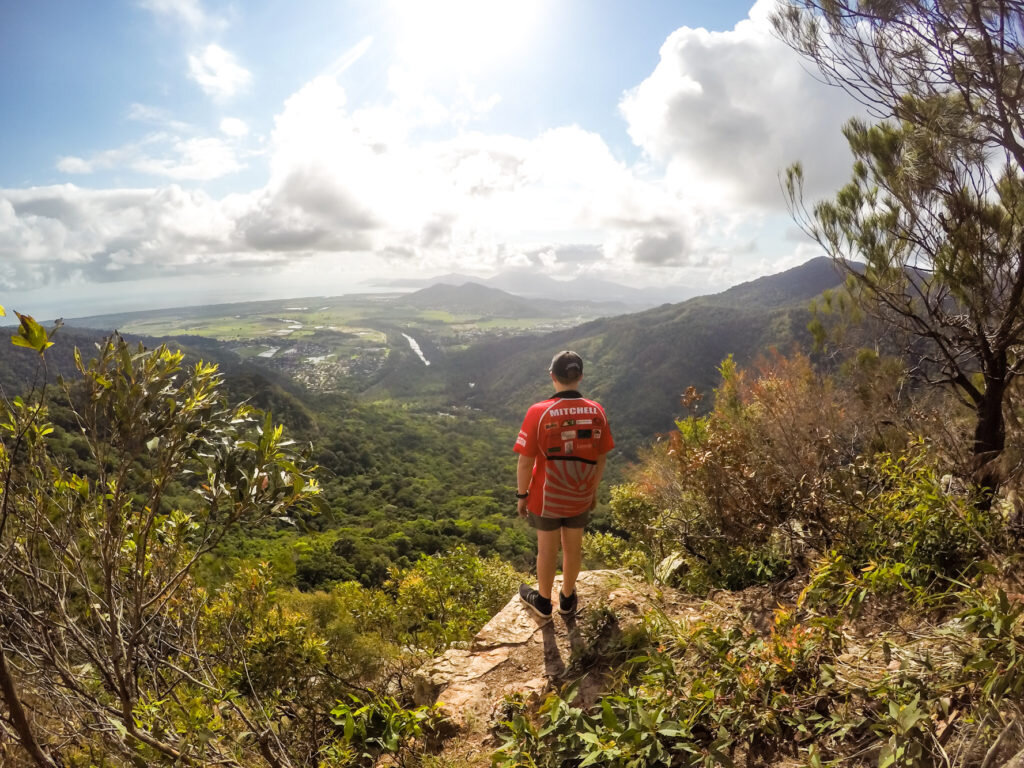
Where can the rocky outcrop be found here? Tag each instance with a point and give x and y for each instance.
(517, 653)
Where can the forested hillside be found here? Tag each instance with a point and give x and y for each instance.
(638, 365)
(18, 371)
(127, 497)
(890, 616)
(398, 484)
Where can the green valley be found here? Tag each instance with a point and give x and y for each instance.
(352, 342)
(410, 403)
(469, 346)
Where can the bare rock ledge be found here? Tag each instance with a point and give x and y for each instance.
(518, 653)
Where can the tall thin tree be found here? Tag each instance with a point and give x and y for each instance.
(935, 205)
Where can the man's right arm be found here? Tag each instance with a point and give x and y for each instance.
(524, 471)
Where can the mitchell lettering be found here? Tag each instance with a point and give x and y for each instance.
(574, 411)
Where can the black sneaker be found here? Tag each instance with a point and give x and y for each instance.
(539, 605)
(567, 605)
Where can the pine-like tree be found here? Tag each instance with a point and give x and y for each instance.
(935, 206)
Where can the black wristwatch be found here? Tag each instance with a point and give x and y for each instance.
(522, 495)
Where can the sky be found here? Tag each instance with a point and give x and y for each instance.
(170, 152)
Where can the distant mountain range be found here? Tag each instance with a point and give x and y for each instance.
(636, 364)
(639, 364)
(460, 296)
(469, 297)
(477, 299)
(530, 284)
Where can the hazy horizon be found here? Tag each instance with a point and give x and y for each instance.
(179, 152)
(137, 304)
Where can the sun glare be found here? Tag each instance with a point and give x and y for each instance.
(464, 35)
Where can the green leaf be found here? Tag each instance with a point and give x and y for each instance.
(31, 335)
(722, 759)
(118, 726)
(611, 722)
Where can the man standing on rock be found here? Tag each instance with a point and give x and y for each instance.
(562, 448)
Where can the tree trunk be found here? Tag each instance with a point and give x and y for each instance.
(989, 438)
(18, 717)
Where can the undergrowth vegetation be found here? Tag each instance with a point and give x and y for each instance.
(810, 689)
(894, 633)
(116, 650)
(889, 631)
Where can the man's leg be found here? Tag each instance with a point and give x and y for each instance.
(572, 557)
(547, 561)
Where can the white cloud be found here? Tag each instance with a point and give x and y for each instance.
(232, 126)
(49, 234)
(654, 247)
(218, 72)
(32, 250)
(325, 179)
(145, 113)
(174, 151)
(195, 159)
(71, 164)
(189, 13)
(720, 115)
(726, 112)
(338, 185)
(165, 155)
(121, 157)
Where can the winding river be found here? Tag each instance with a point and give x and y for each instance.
(416, 348)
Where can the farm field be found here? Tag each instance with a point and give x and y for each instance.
(347, 342)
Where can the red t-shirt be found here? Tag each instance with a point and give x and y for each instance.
(565, 434)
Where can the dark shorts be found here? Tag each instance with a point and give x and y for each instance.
(554, 523)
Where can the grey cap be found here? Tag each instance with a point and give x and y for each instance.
(567, 365)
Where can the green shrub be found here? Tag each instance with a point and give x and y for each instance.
(367, 731)
(692, 696)
(907, 535)
(448, 597)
